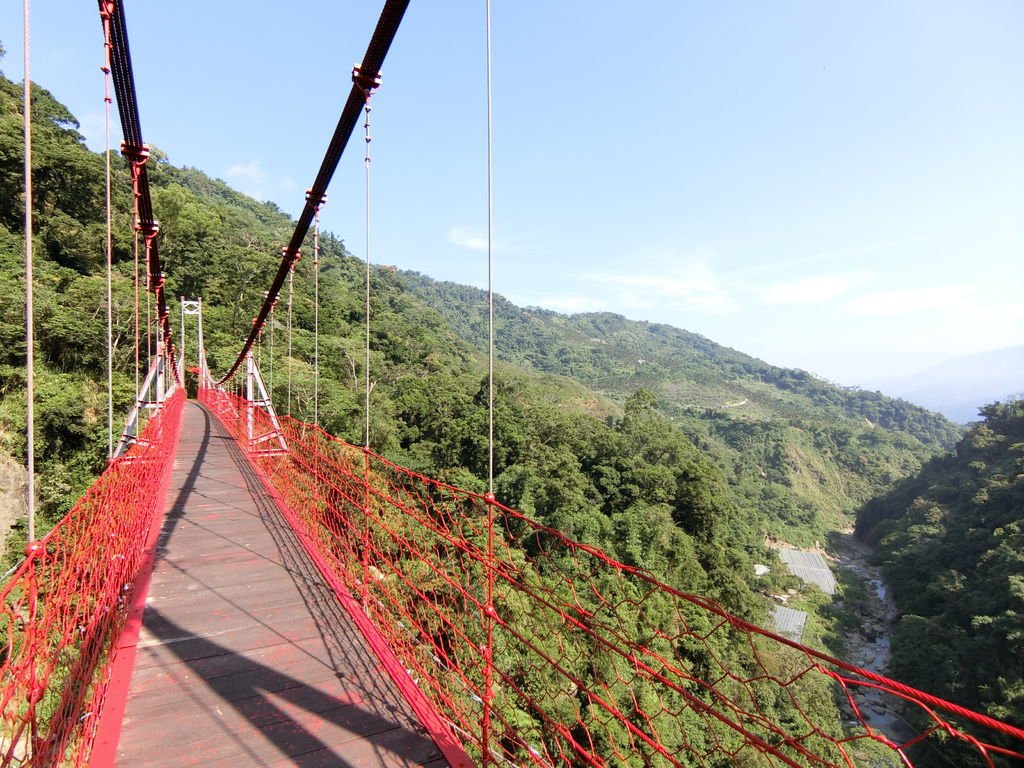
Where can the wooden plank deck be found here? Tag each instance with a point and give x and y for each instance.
(245, 657)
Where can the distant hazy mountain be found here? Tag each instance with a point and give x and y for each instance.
(956, 388)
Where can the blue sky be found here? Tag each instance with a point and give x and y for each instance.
(837, 187)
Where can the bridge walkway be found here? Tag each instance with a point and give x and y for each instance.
(245, 657)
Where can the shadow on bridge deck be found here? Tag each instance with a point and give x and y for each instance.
(245, 656)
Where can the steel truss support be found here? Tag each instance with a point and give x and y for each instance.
(196, 308)
(193, 309)
(149, 399)
(256, 397)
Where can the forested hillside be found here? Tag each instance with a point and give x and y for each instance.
(564, 455)
(616, 356)
(661, 463)
(793, 453)
(952, 542)
(804, 452)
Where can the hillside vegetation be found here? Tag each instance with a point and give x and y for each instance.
(793, 459)
(564, 455)
(802, 451)
(952, 542)
(649, 461)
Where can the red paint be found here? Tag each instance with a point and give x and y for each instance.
(432, 722)
(92, 553)
(419, 554)
(104, 751)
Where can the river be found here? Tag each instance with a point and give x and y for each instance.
(869, 646)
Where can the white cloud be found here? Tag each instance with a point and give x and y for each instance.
(810, 290)
(246, 172)
(694, 287)
(465, 238)
(251, 179)
(909, 301)
(1008, 312)
(475, 240)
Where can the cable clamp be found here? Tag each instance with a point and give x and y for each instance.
(149, 230)
(310, 198)
(366, 83)
(135, 154)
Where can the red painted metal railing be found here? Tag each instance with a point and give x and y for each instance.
(63, 607)
(581, 659)
(592, 661)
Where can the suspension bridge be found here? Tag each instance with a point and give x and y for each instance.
(243, 588)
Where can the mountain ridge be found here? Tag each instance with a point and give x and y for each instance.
(961, 386)
(796, 453)
(615, 355)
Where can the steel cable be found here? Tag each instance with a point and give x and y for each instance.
(366, 173)
(133, 148)
(30, 338)
(368, 72)
(107, 99)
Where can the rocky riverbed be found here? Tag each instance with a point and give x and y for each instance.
(869, 646)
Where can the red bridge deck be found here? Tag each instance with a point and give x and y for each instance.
(245, 656)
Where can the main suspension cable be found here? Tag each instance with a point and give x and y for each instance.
(369, 69)
(30, 338)
(137, 153)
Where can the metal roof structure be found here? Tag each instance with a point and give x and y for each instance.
(811, 567)
(790, 622)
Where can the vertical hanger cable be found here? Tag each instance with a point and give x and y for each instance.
(291, 296)
(366, 363)
(30, 455)
(490, 271)
(316, 316)
(107, 101)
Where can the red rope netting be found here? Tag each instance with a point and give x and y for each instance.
(592, 662)
(63, 607)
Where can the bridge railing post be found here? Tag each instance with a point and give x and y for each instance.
(489, 616)
(364, 555)
(250, 398)
(161, 384)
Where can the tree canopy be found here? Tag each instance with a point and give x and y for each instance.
(619, 433)
(951, 539)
